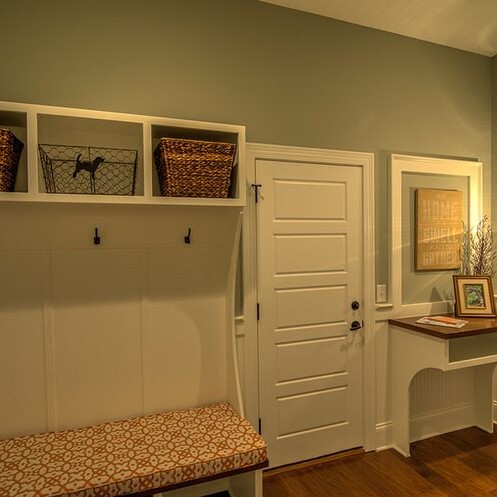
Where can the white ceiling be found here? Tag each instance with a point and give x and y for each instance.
(469, 25)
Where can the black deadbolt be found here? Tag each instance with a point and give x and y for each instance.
(355, 305)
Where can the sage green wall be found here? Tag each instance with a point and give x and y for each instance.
(290, 77)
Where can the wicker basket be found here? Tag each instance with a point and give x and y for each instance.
(192, 168)
(10, 153)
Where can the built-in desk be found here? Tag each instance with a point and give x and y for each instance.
(415, 347)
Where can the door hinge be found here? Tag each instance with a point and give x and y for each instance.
(256, 187)
(258, 311)
(260, 426)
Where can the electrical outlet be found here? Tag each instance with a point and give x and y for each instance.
(381, 294)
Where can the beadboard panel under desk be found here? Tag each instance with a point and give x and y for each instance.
(92, 333)
(440, 402)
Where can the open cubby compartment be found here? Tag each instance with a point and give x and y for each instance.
(193, 133)
(83, 155)
(17, 123)
(480, 349)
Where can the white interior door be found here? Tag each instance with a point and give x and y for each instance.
(309, 228)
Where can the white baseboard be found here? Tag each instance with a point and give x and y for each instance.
(384, 435)
(442, 421)
(431, 424)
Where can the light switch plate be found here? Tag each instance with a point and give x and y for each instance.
(381, 294)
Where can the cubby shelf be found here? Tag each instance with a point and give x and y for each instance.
(40, 124)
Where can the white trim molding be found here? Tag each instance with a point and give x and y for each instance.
(432, 417)
(429, 424)
(306, 155)
(402, 164)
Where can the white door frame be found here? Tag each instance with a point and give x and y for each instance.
(250, 360)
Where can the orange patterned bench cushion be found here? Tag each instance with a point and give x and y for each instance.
(123, 457)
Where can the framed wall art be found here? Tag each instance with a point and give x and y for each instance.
(474, 296)
(438, 229)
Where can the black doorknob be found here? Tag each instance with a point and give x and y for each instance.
(355, 305)
(356, 325)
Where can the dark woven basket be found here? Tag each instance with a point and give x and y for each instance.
(10, 153)
(193, 168)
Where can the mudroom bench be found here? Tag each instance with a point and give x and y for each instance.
(141, 456)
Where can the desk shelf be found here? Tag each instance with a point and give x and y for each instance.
(472, 350)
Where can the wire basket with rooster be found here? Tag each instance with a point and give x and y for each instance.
(88, 170)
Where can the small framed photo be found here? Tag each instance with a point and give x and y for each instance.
(474, 296)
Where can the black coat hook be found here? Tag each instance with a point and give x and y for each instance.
(96, 238)
(188, 238)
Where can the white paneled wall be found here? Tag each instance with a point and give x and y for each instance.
(187, 358)
(95, 333)
(22, 344)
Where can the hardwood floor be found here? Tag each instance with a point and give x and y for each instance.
(458, 464)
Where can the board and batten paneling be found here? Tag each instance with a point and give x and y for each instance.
(184, 365)
(96, 333)
(23, 405)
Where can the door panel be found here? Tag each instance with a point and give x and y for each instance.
(323, 200)
(313, 384)
(304, 306)
(292, 253)
(311, 332)
(309, 359)
(300, 413)
(309, 226)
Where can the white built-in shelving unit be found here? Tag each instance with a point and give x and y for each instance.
(139, 322)
(38, 124)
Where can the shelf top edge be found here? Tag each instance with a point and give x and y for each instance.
(118, 116)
